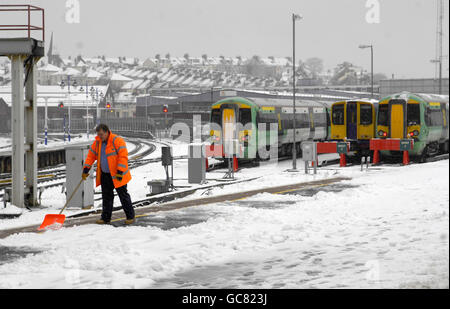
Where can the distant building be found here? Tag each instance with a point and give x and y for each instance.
(425, 85)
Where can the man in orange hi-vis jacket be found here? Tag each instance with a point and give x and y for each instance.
(110, 152)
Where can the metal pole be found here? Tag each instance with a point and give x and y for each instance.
(294, 148)
(70, 107)
(46, 122)
(64, 125)
(98, 111)
(371, 53)
(87, 111)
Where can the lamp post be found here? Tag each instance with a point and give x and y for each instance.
(371, 61)
(96, 97)
(295, 17)
(87, 108)
(46, 122)
(70, 102)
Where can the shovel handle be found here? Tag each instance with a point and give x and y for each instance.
(71, 196)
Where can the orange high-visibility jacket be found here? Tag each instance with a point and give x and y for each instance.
(117, 156)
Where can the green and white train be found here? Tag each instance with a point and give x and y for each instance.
(422, 117)
(239, 119)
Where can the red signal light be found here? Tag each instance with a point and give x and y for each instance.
(165, 109)
(108, 105)
(61, 105)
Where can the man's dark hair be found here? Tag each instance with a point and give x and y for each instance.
(102, 127)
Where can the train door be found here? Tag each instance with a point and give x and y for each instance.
(229, 124)
(397, 121)
(352, 123)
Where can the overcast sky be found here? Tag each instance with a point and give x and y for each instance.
(404, 39)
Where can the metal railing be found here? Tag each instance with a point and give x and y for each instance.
(29, 9)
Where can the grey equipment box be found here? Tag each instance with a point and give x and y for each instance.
(84, 198)
(309, 151)
(166, 156)
(158, 186)
(196, 164)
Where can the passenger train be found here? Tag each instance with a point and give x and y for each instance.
(421, 117)
(275, 116)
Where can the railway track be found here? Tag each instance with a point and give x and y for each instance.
(147, 206)
(59, 173)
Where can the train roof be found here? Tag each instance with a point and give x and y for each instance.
(281, 102)
(427, 97)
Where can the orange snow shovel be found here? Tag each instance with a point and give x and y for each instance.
(55, 222)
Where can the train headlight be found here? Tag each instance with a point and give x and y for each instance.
(416, 133)
(382, 133)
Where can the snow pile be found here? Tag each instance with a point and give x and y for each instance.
(391, 231)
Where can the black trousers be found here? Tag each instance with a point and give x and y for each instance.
(108, 198)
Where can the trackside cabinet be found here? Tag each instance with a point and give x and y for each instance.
(84, 198)
(196, 164)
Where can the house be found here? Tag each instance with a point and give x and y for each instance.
(45, 74)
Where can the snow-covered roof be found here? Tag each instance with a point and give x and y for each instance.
(55, 94)
(69, 72)
(119, 77)
(93, 74)
(124, 97)
(132, 84)
(49, 68)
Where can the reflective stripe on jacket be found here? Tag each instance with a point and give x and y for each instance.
(117, 155)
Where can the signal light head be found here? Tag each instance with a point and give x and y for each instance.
(382, 133)
(414, 133)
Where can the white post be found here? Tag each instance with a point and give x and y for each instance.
(31, 153)
(17, 127)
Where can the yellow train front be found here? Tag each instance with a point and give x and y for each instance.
(354, 122)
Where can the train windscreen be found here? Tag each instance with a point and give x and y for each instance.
(338, 114)
(215, 116)
(413, 114)
(366, 114)
(245, 116)
(383, 115)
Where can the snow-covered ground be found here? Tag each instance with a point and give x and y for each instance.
(387, 228)
(5, 142)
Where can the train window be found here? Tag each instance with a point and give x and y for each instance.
(245, 116)
(338, 114)
(383, 115)
(215, 116)
(413, 114)
(303, 121)
(320, 120)
(434, 118)
(366, 114)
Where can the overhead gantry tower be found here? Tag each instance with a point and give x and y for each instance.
(24, 53)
